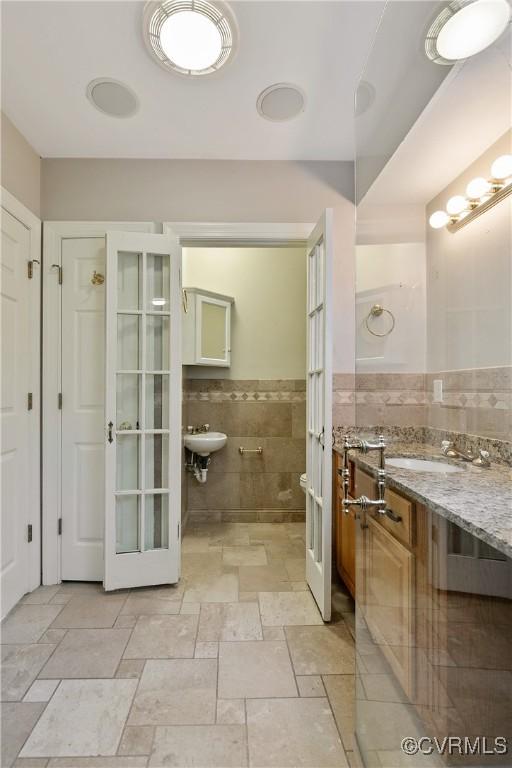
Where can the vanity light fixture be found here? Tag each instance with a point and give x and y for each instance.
(464, 28)
(191, 37)
(481, 194)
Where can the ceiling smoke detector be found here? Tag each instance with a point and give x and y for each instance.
(112, 97)
(191, 37)
(280, 102)
(464, 28)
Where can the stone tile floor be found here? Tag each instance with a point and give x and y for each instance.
(231, 667)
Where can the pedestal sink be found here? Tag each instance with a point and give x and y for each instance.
(423, 465)
(204, 443)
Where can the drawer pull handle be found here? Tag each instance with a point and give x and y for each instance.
(393, 516)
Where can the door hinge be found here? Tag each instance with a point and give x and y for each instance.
(30, 400)
(59, 401)
(30, 267)
(29, 532)
(59, 526)
(178, 531)
(59, 268)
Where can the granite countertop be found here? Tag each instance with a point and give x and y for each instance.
(476, 499)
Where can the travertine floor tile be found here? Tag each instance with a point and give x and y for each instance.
(20, 666)
(296, 568)
(53, 636)
(84, 717)
(27, 623)
(87, 653)
(162, 637)
(273, 633)
(176, 692)
(229, 621)
(230, 711)
(136, 740)
(191, 609)
(207, 650)
(341, 694)
(310, 686)
(18, 719)
(147, 606)
(41, 690)
(279, 609)
(264, 578)
(291, 732)
(321, 650)
(217, 589)
(41, 595)
(248, 555)
(130, 668)
(31, 762)
(98, 762)
(89, 612)
(200, 746)
(255, 670)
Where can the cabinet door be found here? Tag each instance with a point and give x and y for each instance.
(389, 600)
(213, 331)
(347, 529)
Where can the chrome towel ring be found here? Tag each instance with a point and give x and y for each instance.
(376, 311)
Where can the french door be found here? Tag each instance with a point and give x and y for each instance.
(143, 410)
(319, 414)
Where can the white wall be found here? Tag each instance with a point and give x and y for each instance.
(269, 314)
(393, 275)
(20, 167)
(470, 280)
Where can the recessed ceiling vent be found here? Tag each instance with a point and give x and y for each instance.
(112, 97)
(280, 102)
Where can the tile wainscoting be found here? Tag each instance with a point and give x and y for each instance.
(476, 410)
(253, 413)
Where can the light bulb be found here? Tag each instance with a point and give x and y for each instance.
(456, 205)
(477, 188)
(474, 27)
(502, 167)
(439, 219)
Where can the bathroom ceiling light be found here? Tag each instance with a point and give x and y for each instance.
(482, 194)
(112, 97)
(501, 169)
(192, 37)
(280, 102)
(478, 188)
(464, 28)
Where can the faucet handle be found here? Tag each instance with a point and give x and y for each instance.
(482, 460)
(446, 445)
(206, 427)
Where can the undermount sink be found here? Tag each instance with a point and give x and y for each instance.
(423, 465)
(205, 443)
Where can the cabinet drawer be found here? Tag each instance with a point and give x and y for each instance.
(403, 508)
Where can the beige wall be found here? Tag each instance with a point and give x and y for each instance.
(209, 190)
(20, 167)
(268, 322)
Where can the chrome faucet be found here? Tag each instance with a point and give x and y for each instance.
(480, 460)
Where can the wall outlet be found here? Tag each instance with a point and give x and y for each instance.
(438, 390)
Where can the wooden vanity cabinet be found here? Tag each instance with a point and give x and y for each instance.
(344, 537)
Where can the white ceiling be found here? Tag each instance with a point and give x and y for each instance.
(469, 112)
(51, 50)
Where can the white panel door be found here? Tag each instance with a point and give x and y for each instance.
(18, 472)
(319, 414)
(83, 355)
(143, 410)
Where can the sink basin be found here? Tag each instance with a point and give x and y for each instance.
(206, 442)
(423, 465)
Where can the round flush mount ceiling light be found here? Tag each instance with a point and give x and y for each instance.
(280, 102)
(192, 37)
(112, 97)
(465, 28)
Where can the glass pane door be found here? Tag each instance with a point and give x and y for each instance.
(144, 346)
